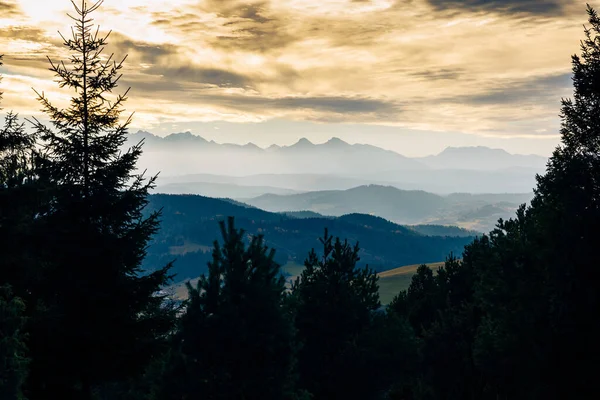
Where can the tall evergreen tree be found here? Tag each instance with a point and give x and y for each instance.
(236, 339)
(566, 208)
(333, 303)
(537, 275)
(559, 234)
(103, 319)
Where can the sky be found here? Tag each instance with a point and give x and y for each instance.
(413, 76)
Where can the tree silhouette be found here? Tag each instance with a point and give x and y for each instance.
(235, 336)
(333, 302)
(104, 318)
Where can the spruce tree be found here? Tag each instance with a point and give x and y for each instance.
(104, 319)
(537, 284)
(564, 232)
(235, 337)
(19, 203)
(333, 303)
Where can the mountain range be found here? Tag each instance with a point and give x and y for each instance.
(465, 169)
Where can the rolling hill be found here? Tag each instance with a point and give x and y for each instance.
(190, 225)
(386, 201)
(473, 212)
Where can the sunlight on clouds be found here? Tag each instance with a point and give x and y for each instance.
(335, 7)
(485, 73)
(19, 46)
(41, 11)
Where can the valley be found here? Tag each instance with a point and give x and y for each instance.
(390, 282)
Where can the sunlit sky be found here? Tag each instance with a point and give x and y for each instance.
(412, 76)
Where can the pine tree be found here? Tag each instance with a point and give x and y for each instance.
(104, 319)
(235, 336)
(13, 360)
(333, 305)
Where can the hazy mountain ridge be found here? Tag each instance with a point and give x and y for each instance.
(484, 157)
(213, 189)
(468, 157)
(465, 169)
(473, 212)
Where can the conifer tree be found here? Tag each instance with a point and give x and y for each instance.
(537, 284)
(558, 235)
(333, 305)
(19, 201)
(104, 319)
(235, 337)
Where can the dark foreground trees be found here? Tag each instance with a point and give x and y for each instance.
(96, 319)
(526, 325)
(235, 339)
(13, 352)
(348, 349)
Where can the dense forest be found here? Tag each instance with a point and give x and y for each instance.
(514, 317)
(189, 225)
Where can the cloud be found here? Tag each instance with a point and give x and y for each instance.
(470, 66)
(524, 92)
(537, 7)
(195, 74)
(143, 52)
(323, 104)
(15, 32)
(9, 9)
(439, 74)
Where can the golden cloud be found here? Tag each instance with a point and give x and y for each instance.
(482, 67)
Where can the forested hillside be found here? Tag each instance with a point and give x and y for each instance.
(189, 225)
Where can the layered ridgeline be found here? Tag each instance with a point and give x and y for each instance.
(191, 164)
(190, 225)
(471, 211)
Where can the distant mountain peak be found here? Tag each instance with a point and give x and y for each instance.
(251, 145)
(335, 141)
(182, 136)
(472, 149)
(303, 142)
(143, 134)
